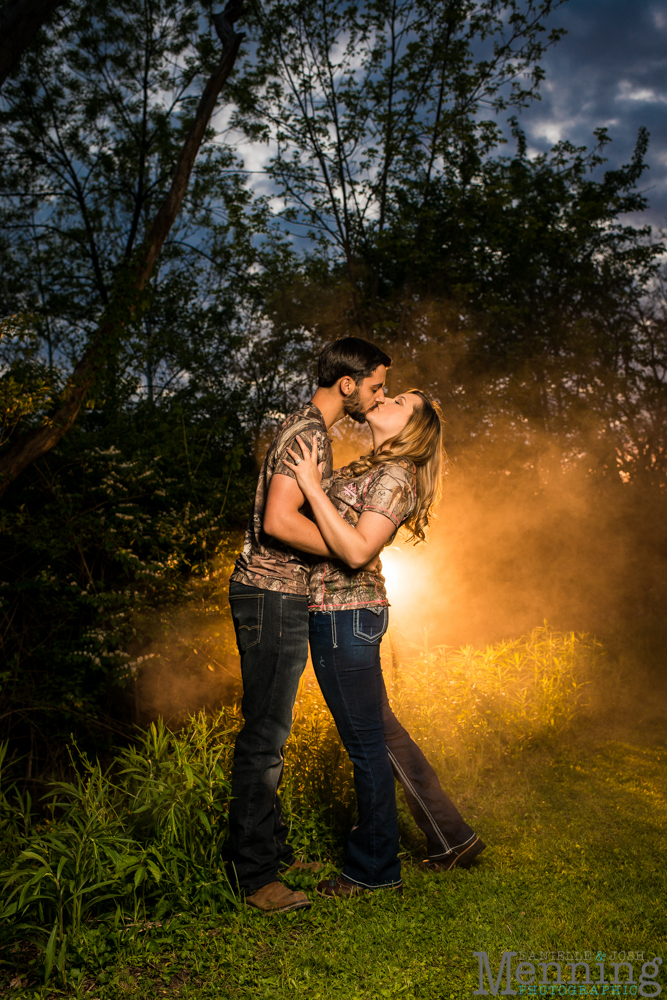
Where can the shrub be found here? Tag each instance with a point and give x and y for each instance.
(144, 839)
(468, 705)
(139, 840)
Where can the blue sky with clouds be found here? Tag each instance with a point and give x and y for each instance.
(610, 69)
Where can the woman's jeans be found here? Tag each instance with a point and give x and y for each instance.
(345, 648)
(272, 636)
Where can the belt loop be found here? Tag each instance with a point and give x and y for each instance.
(334, 641)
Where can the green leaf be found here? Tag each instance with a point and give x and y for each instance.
(50, 952)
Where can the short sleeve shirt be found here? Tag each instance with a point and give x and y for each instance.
(266, 562)
(389, 489)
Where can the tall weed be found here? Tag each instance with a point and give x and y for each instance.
(137, 841)
(144, 839)
(469, 705)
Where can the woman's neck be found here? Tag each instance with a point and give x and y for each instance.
(378, 441)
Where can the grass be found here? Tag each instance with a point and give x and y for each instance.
(572, 806)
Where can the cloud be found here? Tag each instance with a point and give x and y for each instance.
(610, 70)
(659, 18)
(628, 92)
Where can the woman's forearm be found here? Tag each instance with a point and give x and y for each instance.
(357, 546)
(345, 541)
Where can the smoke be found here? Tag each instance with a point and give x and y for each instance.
(526, 535)
(185, 659)
(523, 535)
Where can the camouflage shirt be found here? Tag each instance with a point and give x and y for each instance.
(266, 562)
(386, 489)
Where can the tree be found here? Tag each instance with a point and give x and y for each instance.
(637, 396)
(81, 155)
(356, 98)
(20, 20)
(507, 284)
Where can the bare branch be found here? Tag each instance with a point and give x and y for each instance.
(127, 292)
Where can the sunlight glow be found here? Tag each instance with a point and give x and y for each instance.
(401, 574)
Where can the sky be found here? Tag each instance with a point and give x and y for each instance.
(609, 70)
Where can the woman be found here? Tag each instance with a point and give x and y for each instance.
(396, 485)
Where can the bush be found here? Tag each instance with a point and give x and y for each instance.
(469, 705)
(90, 558)
(140, 840)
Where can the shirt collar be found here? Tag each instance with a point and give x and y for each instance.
(310, 410)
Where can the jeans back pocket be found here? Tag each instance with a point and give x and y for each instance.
(247, 612)
(368, 626)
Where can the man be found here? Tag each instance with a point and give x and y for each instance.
(268, 595)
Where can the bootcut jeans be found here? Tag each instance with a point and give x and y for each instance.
(272, 637)
(345, 649)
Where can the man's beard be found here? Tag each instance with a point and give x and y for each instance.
(352, 407)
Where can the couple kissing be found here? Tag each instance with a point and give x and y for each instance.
(310, 572)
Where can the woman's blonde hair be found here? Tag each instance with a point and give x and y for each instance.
(421, 442)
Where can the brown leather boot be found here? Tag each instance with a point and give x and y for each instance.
(459, 857)
(277, 898)
(342, 888)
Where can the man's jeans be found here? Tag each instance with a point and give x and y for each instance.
(345, 647)
(272, 636)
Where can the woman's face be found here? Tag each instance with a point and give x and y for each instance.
(389, 418)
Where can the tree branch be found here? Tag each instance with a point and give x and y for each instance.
(132, 281)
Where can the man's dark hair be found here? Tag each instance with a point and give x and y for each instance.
(349, 356)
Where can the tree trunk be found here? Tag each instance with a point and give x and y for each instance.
(131, 283)
(20, 20)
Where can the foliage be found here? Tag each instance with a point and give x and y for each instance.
(138, 846)
(142, 838)
(146, 489)
(358, 98)
(639, 410)
(528, 235)
(508, 286)
(524, 303)
(26, 385)
(93, 548)
(470, 704)
(90, 131)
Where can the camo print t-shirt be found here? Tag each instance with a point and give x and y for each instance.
(266, 562)
(389, 489)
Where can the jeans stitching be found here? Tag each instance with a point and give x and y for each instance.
(356, 627)
(406, 781)
(385, 885)
(260, 617)
(452, 850)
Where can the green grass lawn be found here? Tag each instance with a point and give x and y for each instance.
(541, 741)
(577, 842)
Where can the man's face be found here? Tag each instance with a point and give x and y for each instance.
(365, 396)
